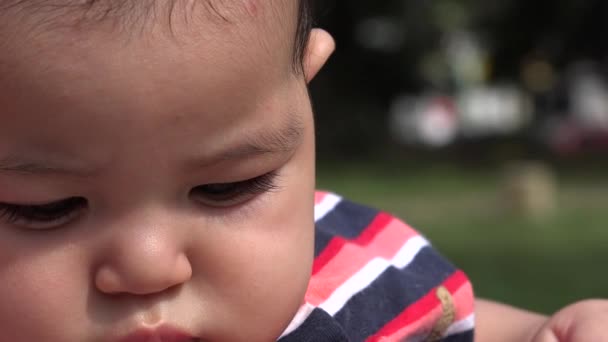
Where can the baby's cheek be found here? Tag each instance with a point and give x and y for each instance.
(255, 275)
(42, 289)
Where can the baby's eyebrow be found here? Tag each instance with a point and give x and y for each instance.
(274, 139)
(282, 138)
(42, 166)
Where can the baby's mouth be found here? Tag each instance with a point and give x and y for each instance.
(163, 333)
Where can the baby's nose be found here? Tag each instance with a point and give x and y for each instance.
(143, 262)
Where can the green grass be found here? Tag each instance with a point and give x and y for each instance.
(541, 264)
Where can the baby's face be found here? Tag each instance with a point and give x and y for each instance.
(154, 178)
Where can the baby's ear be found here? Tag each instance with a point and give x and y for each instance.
(320, 46)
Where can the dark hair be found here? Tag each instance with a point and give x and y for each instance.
(304, 26)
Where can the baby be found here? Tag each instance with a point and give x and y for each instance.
(157, 184)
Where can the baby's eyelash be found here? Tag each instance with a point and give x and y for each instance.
(44, 215)
(58, 213)
(260, 184)
(226, 194)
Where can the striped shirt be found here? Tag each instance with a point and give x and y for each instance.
(374, 278)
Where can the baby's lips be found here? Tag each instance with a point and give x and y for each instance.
(163, 333)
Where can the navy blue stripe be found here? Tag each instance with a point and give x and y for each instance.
(346, 220)
(318, 327)
(391, 293)
(467, 336)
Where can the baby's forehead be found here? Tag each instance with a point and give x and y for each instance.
(30, 28)
(129, 16)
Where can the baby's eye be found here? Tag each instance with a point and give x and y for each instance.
(43, 216)
(231, 194)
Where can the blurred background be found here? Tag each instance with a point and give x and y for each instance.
(482, 123)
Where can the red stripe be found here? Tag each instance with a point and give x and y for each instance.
(377, 225)
(319, 196)
(421, 308)
(383, 238)
(332, 249)
(336, 244)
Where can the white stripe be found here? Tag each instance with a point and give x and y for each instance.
(370, 272)
(301, 316)
(328, 203)
(461, 326)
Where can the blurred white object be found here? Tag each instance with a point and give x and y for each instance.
(486, 111)
(428, 120)
(584, 127)
(589, 99)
